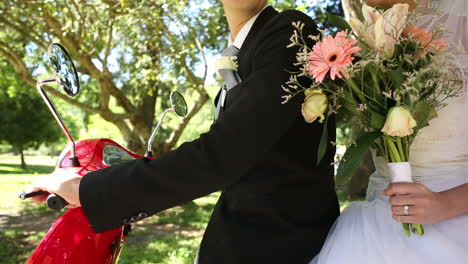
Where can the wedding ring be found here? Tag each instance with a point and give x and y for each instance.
(406, 210)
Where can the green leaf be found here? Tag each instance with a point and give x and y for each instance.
(423, 112)
(350, 105)
(397, 76)
(406, 229)
(419, 229)
(338, 22)
(377, 120)
(302, 8)
(354, 155)
(323, 142)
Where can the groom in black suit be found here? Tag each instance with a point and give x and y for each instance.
(277, 205)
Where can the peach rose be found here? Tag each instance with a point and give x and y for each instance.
(399, 123)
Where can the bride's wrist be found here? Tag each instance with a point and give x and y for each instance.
(455, 201)
(449, 210)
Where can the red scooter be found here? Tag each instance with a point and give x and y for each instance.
(70, 239)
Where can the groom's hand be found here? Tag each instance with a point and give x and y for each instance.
(425, 206)
(64, 183)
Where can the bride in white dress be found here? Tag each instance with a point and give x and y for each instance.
(371, 232)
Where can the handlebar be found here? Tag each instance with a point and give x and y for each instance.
(54, 202)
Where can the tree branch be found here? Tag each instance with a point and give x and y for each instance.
(68, 99)
(81, 20)
(67, 39)
(202, 51)
(23, 33)
(104, 79)
(199, 82)
(26, 77)
(109, 40)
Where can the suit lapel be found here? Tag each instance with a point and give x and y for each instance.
(249, 43)
(245, 54)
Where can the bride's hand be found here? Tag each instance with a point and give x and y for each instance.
(425, 206)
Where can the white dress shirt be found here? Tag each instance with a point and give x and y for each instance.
(240, 38)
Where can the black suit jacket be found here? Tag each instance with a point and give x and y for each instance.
(277, 205)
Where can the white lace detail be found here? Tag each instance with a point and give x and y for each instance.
(452, 7)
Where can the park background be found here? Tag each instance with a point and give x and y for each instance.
(130, 55)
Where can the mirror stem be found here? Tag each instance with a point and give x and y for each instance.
(149, 153)
(39, 84)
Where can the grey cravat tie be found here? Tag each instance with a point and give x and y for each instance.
(230, 79)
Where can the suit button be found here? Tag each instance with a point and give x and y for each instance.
(126, 221)
(134, 218)
(142, 215)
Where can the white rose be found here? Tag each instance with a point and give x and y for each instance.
(226, 62)
(314, 106)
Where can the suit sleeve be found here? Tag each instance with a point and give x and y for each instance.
(249, 127)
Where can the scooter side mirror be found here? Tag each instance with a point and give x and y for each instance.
(66, 76)
(178, 103)
(64, 69)
(179, 106)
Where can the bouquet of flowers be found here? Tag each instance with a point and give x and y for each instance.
(387, 75)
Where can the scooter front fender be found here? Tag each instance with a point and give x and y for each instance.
(71, 240)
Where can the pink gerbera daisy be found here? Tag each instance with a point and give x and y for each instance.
(332, 54)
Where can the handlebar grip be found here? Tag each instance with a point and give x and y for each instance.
(56, 202)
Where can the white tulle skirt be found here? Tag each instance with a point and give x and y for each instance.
(365, 233)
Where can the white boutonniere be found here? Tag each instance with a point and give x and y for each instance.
(227, 63)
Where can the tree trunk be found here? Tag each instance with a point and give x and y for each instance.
(23, 163)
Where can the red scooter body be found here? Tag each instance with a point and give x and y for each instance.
(70, 239)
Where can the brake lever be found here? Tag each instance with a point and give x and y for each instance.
(23, 195)
(54, 202)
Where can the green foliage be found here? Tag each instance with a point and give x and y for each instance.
(354, 156)
(377, 120)
(338, 22)
(423, 112)
(322, 148)
(26, 122)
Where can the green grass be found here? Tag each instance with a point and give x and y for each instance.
(165, 249)
(12, 247)
(13, 179)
